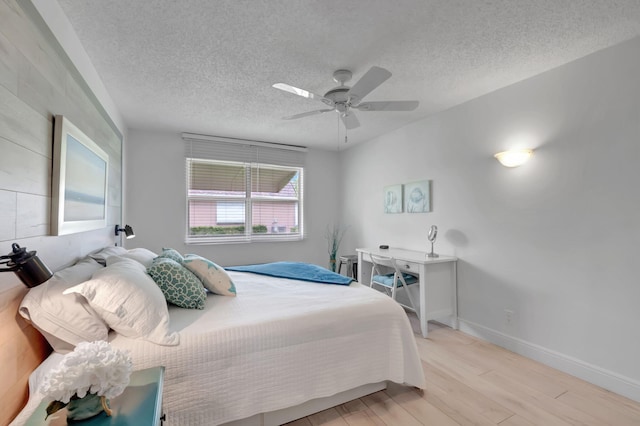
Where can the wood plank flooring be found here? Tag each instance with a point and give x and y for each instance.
(472, 382)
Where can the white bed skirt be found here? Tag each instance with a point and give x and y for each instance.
(286, 415)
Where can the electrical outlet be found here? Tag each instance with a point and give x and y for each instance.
(508, 316)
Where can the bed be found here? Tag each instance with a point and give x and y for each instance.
(282, 349)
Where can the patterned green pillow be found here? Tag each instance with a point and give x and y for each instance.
(213, 277)
(169, 253)
(178, 285)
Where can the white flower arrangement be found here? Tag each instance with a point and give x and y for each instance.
(92, 368)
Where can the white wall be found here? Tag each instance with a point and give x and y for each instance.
(156, 204)
(38, 81)
(61, 28)
(556, 240)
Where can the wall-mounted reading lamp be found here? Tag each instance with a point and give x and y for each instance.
(26, 265)
(128, 231)
(514, 157)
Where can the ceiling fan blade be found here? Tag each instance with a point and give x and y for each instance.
(306, 114)
(388, 106)
(369, 81)
(301, 92)
(350, 120)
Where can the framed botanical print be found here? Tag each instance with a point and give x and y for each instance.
(393, 199)
(417, 197)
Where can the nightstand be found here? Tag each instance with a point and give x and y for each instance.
(139, 405)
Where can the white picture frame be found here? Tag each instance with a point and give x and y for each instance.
(80, 181)
(417, 197)
(393, 199)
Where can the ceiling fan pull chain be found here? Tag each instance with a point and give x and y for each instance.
(338, 128)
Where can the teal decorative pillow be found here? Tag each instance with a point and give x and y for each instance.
(169, 253)
(213, 277)
(178, 285)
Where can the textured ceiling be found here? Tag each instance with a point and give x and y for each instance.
(207, 67)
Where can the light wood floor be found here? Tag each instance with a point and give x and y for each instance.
(472, 382)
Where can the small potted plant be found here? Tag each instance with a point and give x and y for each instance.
(334, 237)
(86, 379)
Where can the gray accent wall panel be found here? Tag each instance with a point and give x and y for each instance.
(7, 215)
(37, 82)
(8, 59)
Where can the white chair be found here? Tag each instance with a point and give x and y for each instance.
(391, 281)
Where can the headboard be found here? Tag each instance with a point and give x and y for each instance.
(22, 349)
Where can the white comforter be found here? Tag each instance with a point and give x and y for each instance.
(277, 344)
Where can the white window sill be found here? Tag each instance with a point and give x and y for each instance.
(243, 240)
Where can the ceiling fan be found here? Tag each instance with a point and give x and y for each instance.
(344, 99)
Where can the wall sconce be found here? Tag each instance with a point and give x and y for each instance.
(26, 265)
(128, 231)
(514, 157)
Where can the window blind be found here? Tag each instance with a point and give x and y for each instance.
(226, 149)
(243, 190)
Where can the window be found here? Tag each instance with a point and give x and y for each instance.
(229, 212)
(247, 200)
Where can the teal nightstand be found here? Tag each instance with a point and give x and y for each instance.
(139, 405)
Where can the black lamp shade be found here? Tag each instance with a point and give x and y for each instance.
(26, 265)
(128, 231)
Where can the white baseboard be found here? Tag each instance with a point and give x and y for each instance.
(609, 380)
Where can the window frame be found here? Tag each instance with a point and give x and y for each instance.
(249, 200)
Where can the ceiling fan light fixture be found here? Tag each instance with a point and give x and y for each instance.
(343, 98)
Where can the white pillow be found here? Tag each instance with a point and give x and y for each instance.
(213, 277)
(129, 301)
(64, 319)
(101, 255)
(37, 376)
(140, 254)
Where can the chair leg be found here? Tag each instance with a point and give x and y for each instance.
(406, 288)
(413, 305)
(373, 272)
(394, 286)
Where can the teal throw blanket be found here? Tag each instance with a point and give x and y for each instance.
(295, 270)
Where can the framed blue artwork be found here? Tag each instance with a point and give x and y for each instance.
(417, 197)
(80, 181)
(393, 199)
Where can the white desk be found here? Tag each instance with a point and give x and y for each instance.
(437, 279)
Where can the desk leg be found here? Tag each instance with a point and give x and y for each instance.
(423, 301)
(456, 323)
